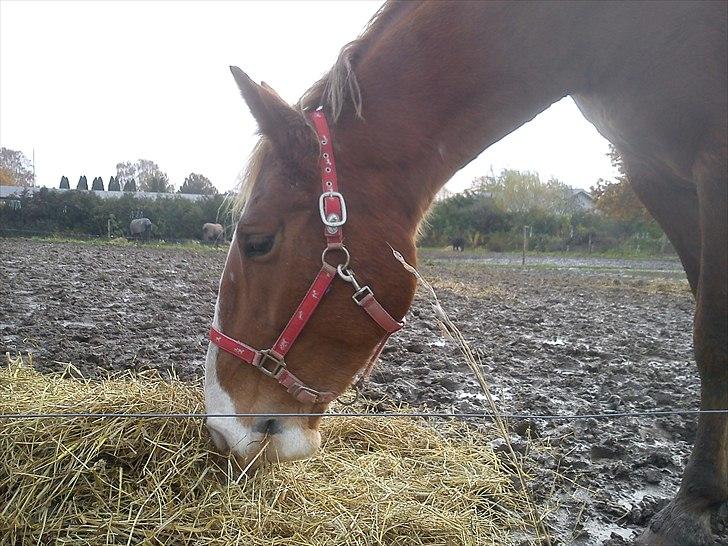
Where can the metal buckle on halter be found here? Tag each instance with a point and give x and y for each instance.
(333, 220)
(266, 355)
(303, 388)
(360, 294)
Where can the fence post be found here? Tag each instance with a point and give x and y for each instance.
(525, 244)
(108, 228)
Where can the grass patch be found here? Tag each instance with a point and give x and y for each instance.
(121, 242)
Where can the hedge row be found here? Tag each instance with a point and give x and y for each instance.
(85, 213)
(477, 221)
(471, 218)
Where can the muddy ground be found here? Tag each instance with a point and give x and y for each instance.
(561, 336)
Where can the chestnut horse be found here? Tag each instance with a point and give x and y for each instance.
(424, 90)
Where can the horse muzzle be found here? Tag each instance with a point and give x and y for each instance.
(263, 439)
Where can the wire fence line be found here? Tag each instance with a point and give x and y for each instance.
(419, 414)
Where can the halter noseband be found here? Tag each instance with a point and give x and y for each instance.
(332, 209)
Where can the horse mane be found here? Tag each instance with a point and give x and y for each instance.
(337, 89)
(340, 86)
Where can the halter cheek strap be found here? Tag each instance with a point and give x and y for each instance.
(332, 209)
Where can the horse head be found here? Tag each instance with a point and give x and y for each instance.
(276, 253)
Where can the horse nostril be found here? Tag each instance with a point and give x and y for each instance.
(267, 426)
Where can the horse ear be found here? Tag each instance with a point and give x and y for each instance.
(276, 119)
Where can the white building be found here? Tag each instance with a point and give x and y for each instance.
(582, 199)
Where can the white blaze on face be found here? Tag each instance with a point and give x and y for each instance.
(231, 433)
(225, 431)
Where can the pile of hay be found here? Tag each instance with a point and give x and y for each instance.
(157, 481)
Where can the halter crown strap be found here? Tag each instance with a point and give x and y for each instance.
(332, 209)
(331, 203)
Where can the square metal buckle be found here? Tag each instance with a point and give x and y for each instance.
(303, 388)
(360, 294)
(266, 356)
(332, 221)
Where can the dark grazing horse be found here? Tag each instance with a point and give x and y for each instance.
(458, 243)
(422, 92)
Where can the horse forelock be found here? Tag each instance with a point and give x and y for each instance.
(250, 176)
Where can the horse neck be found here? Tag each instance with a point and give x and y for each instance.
(439, 84)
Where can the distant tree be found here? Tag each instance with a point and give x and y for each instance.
(130, 185)
(15, 168)
(65, 185)
(6, 179)
(143, 170)
(444, 194)
(616, 199)
(522, 192)
(157, 182)
(468, 215)
(114, 184)
(150, 177)
(558, 197)
(98, 184)
(198, 184)
(125, 172)
(82, 183)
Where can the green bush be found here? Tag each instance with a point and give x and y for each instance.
(477, 218)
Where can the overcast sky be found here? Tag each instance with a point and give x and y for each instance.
(91, 84)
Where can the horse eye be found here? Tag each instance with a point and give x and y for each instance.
(257, 245)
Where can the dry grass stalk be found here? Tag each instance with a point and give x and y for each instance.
(473, 361)
(154, 481)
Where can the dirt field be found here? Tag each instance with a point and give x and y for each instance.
(560, 336)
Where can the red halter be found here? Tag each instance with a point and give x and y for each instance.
(332, 209)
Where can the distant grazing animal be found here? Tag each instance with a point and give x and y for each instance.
(140, 228)
(458, 244)
(213, 233)
(425, 89)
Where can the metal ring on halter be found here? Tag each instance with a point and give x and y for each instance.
(347, 275)
(343, 249)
